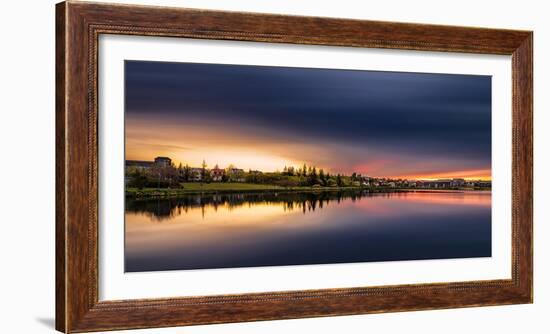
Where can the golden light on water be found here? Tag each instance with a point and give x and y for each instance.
(211, 224)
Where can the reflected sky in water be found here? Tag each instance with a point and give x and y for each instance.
(274, 229)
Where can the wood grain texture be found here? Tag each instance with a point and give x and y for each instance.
(78, 27)
(60, 180)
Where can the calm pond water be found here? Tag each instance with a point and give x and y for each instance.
(248, 230)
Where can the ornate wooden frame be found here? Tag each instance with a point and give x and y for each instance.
(78, 25)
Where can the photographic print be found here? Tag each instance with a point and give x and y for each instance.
(232, 166)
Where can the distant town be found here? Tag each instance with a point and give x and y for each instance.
(161, 173)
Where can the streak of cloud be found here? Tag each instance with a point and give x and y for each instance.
(378, 123)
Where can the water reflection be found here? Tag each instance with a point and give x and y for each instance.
(164, 209)
(264, 229)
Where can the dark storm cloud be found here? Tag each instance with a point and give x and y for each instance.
(414, 113)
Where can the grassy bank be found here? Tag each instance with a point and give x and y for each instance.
(215, 188)
(226, 186)
(220, 188)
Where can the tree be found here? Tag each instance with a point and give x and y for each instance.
(203, 170)
(312, 179)
(187, 173)
(322, 177)
(138, 180)
(180, 171)
(290, 171)
(339, 181)
(225, 178)
(304, 170)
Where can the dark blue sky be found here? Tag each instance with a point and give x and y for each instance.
(382, 122)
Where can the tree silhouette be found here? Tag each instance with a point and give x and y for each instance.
(186, 173)
(180, 172)
(312, 179)
(203, 170)
(339, 180)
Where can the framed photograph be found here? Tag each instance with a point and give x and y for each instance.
(223, 167)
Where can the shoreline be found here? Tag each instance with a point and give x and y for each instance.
(172, 193)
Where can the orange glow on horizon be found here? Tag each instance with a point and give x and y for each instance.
(481, 174)
(244, 159)
(256, 149)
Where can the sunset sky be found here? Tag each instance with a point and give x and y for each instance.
(382, 124)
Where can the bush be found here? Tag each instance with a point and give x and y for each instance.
(137, 180)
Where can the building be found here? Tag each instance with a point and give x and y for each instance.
(235, 170)
(163, 161)
(458, 183)
(216, 173)
(236, 174)
(478, 183)
(196, 174)
(145, 165)
(410, 183)
(442, 183)
(138, 165)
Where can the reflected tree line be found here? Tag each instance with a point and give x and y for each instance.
(161, 209)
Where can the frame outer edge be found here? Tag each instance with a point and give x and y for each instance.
(73, 300)
(61, 317)
(524, 94)
(79, 310)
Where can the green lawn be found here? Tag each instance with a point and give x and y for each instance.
(196, 186)
(217, 187)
